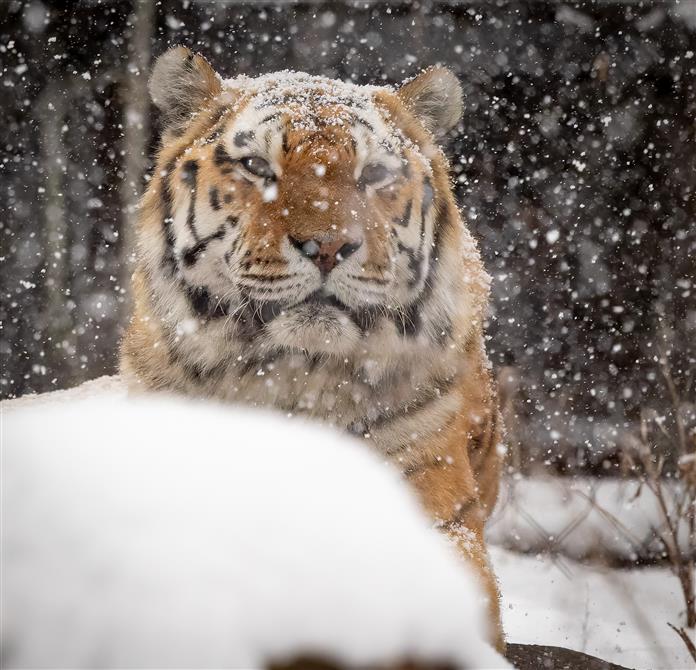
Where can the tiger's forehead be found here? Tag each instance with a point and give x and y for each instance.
(287, 87)
(300, 103)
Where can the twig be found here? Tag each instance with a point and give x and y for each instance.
(685, 639)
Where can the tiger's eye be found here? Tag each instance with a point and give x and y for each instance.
(373, 173)
(257, 166)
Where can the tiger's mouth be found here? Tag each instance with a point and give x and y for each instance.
(320, 300)
(319, 309)
(314, 305)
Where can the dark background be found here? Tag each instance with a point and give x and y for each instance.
(575, 165)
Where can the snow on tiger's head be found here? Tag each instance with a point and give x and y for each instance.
(303, 205)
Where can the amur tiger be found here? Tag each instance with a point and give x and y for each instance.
(300, 247)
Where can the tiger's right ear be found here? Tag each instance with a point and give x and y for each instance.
(180, 84)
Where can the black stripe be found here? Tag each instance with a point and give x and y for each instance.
(364, 123)
(487, 430)
(243, 137)
(222, 159)
(169, 258)
(406, 218)
(438, 389)
(463, 510)
(408, 322)
(189, 174)
(366, 318)
(371, 280)
(219, 126)
(169, 261)
(255, 315)
(275, 100)
(207, 374)
(196, 372)
(215, 135)
(441, 224)
(301, 98)
(479, 451)
(415, 257)
(248, 364)
(264, 312)
(412, 324)
(233, 248)
(203, 304)
(190, 255)
(427, 197)
(266, 278)
(443, 332)
(415, 265)
(214, 198)
(270, 117)
(255, 363)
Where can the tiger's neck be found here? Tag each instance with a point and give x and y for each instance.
(168, 347)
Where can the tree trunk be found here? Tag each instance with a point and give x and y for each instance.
(136, 112)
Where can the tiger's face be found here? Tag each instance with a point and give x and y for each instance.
(301, 207)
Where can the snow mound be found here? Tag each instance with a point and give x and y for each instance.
(154, 532)
(112, 385)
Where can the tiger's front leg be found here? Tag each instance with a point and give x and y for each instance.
(457, 482)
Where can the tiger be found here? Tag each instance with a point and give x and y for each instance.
(299, 247)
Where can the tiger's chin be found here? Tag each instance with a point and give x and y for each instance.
(314, 329)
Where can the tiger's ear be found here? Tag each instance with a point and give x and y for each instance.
(435, 98)
(180, 84)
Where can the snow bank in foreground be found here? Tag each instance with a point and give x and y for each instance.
(162, 533)
(111, 386)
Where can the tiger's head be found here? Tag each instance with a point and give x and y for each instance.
(304, 211)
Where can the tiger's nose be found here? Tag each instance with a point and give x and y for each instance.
(326, 254)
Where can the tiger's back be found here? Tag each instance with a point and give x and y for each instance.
(299, 247)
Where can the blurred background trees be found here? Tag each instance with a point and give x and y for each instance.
(575, 164)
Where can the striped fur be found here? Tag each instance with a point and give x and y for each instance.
(389, 343)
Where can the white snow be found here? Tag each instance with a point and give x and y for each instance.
(158, 532)
(580, 518)
(618, 615)
(101, 387)
(553, 235)
(98, 530)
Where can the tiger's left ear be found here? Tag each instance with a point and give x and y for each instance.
(435, 98)
(180, 85)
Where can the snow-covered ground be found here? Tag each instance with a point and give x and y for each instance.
(618, 615)
(152, 506)
(580, 518)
